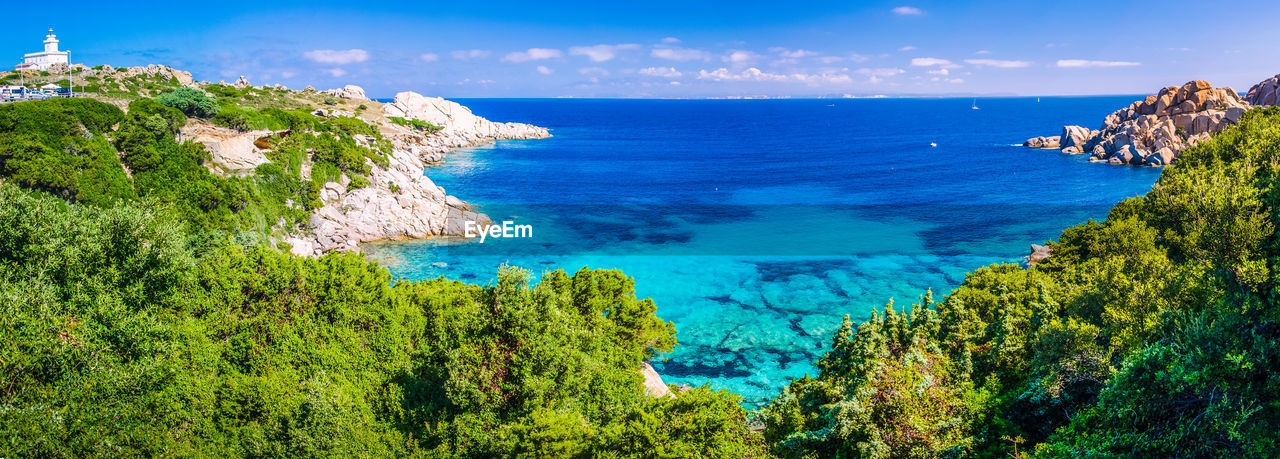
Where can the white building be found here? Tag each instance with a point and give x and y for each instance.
(50, 56)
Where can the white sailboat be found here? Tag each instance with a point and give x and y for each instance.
(975, 105)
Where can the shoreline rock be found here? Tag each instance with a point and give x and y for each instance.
(653, 384)
(1266, 92)
(401, 203)
(1038, 254)
(1155, 130)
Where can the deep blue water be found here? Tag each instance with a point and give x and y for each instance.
(757, 224)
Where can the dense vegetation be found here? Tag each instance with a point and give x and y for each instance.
(117, 339)
(1153, 333)
(92, 152)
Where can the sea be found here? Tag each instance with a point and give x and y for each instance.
(757, 225)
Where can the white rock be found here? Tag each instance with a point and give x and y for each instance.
(653, 384)
(350, 91)
(231, 151)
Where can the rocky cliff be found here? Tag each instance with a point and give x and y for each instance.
(400, 202)
(1265, 93)
(459, 124)
(1154, 130)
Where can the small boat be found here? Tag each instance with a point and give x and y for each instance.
(975, 105)
(933, 144)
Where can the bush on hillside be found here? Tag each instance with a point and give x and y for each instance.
(191, 102)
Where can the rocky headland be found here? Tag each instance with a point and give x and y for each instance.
(1267, 92)
(398, 203)
(1155, 130)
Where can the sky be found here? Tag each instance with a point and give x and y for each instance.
(680, 49)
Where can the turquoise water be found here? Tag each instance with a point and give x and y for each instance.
(756, 225)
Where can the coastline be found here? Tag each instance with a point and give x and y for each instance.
(401, 203)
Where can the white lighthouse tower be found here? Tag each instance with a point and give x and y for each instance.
(50, 56)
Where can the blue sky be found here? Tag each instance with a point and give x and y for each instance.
(663, 48)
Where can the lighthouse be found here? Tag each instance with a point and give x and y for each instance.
(49, 57)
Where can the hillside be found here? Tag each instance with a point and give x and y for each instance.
(313, 171)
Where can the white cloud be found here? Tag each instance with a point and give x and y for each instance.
(288, 74)
(544, 70)
(956, 80)
(998, 63)
(982, 51)
(601, 53)
(335, 72)
(792, 53)
(1077, 63)
(593, 71)
(429, 57)
(932, 61)
(750, 74)
(469, 54)
(907, 48)
(739, 57)
(852, 57)
(880, 73)
(533, 54)
(337, 56)
(671, 40)
(680, 54)
(940, 72)
(755, 74)
(665, 72)
(908, 11)
(825, 78)
(675, 83)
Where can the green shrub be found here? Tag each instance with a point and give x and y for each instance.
(191, 102)
(415, 124)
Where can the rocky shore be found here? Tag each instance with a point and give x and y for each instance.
(400, 202)
(1155, 130)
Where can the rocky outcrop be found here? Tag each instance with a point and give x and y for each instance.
(232, 152)
(1153, 131)
(653, 385)
(162, 71)
(1042, 142)
(1038, 254)
(1265, 93)
(458, 121)
(1073, 138)
(350, 91)
(400, 202)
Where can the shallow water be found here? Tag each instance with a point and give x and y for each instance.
(756, 225)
